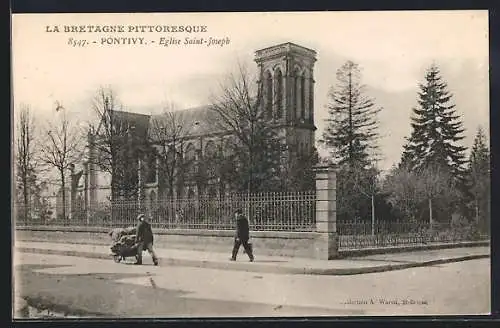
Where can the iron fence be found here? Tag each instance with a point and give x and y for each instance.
(273, 211)
(362, 235)
(291, 211)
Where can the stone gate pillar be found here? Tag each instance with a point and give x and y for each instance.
(326, 242)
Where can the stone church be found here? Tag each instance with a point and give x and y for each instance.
(286, 76)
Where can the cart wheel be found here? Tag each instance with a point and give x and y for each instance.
(117, 258)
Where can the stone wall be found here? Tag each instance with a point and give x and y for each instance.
(291, 244)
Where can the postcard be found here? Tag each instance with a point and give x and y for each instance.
(257, 164)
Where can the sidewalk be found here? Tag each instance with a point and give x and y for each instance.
(272, 264)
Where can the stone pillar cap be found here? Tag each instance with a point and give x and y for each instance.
(324, 167)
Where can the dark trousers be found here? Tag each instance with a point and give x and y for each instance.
(237, 243)
(145, 246)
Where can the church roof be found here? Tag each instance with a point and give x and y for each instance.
(195, 121)
(140, 122)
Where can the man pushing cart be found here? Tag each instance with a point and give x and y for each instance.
(130, 242)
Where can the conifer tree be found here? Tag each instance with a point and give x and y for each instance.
(479, 178)
(436, 129)
(351, 133)
(351, 136)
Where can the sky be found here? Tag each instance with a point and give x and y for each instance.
(392, 48)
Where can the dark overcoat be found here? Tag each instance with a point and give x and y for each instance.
(144, 233)
(242, 228)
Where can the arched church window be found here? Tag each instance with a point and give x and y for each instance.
(268, 89)
(229, 147)
(210, 149)
(190, 152)
(311, 99)
(296, 91)
(210, 158)
(302, 97)
(278, 86)
(228, 164)
(190, 158)
(151, 168)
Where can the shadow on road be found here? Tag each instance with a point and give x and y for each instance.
(100, 295)
(89, 294)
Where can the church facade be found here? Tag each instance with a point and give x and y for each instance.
(286, 74)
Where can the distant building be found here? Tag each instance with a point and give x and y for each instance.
(286, 74)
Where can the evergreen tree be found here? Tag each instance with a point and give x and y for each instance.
(351, 136)
(436, 129)
(352, 123)
(479, 178)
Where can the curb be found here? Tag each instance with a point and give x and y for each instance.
(349, 253)
(343, 253)
(394, 267)
(255, 267)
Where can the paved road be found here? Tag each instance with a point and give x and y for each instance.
(102, 287)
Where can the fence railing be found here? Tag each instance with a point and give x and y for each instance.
(285, 211)
(361, 235)
(292, 211)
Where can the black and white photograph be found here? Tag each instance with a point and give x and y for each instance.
(250, 164)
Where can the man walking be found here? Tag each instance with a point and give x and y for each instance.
(144, 239)
(242, 236)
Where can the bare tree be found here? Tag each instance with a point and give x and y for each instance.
(62, 149)
(103, 134)
(26, 163)
(168, 133)
(113, 143)
(241, 113)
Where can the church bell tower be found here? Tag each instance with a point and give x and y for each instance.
(287, 84)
